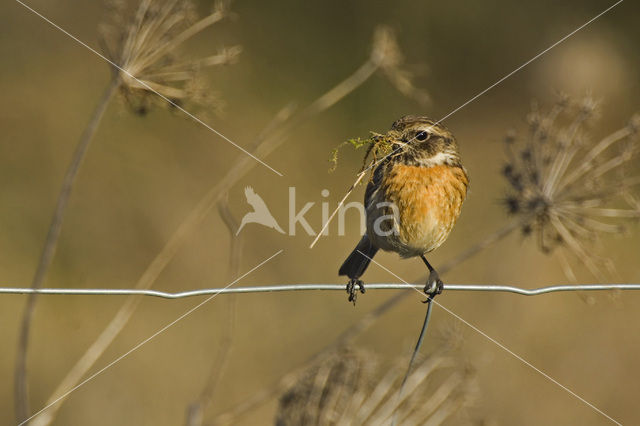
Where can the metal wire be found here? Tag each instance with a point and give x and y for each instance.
(311, 287)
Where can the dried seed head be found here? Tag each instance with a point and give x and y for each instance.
(571, 189)
(346, 388)
(634, 124)
(323, 392)
(143, 41)
(386, 54)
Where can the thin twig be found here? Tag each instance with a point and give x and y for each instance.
(483, 244)
(195, 411)
(416, 351)
(461, 257)
(21, 390)
(423, 331)
(340, 204)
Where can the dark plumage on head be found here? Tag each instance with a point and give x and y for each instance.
(425, 142)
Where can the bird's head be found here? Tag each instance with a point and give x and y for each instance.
(424, 142)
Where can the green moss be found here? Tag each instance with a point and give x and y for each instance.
(378, 146)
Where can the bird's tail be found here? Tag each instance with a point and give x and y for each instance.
(359, 259)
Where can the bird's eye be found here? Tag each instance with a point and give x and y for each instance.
(422, 135)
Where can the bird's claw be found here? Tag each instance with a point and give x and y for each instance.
(352, 291)
(433, 287)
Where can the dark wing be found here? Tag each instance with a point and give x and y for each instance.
(375, 181)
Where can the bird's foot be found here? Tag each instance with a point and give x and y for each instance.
(352, 291)
(433, 287)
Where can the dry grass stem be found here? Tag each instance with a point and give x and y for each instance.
(196, 410)
(390, 406)
(21, 390)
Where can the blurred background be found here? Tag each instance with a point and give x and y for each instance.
(144, 174)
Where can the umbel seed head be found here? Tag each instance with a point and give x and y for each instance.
(568, 187)
(143, 39)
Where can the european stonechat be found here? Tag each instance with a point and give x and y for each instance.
(413, 199)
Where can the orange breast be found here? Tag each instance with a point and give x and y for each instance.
(428, 201)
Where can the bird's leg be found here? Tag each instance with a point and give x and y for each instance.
(434, 284)
(352, 291)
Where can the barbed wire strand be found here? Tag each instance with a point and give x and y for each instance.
(313, 287)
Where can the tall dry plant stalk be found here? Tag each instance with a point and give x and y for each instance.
(142, 41)
(196, 410)
(21, 390)
(385, 56)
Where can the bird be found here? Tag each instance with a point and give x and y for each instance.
(412, 201)
(260, 213)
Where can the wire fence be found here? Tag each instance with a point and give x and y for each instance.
(312, 287)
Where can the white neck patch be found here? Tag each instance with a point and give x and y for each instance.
(439, 159)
